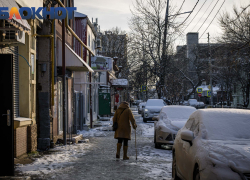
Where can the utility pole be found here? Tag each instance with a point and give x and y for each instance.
(210, 71)
(164, 48)
(64, 85)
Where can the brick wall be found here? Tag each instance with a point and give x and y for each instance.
(32, 138)
(20, 141)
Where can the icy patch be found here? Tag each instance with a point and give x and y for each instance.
(147, 129)
(61, 158)
(93, 133)
(157, 162)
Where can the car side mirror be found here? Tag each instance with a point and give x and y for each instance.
(155, 118)
(187, 136)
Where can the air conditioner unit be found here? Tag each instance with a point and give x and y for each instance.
(12, 36)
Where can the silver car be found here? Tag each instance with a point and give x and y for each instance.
(169, 121)
(214, 144)
(140, 107)
(152, 108)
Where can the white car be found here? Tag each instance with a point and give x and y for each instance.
(214, 144)
(140, 107)
(152, 108)
(169, 121)
(192, 102)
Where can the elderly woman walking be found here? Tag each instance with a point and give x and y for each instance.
(123, 116)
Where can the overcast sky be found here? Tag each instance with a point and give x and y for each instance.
(112, 13)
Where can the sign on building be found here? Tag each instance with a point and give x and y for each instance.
(101, 63)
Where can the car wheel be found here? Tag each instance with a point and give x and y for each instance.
(174, 173)
(196, 173)
(157, 145)
(144, 120)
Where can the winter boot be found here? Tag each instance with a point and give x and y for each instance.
(119, 145)
(125, 150)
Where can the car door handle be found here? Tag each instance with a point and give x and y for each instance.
(8, 117)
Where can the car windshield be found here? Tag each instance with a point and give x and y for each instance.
(155, 102)
(225, 125)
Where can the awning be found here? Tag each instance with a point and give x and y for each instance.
(73, 62)
(119, 82)
(22, 24)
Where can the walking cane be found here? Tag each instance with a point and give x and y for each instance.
(135, 145)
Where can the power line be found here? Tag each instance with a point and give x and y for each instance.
(213, 18)
(186, 19)
(189, 14)
(202, 15)
(179, 9)
(195, 14)
(208, 15)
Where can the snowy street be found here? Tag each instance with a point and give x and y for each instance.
(96, 159)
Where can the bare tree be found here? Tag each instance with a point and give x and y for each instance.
(147, 29)
(236, 37)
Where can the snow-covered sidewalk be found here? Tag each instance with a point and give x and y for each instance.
(56, 159)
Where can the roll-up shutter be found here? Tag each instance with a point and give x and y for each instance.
(14, 50)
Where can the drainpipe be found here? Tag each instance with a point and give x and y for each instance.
(90, 95)
(55, 63)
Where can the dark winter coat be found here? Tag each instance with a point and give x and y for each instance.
(123, 120)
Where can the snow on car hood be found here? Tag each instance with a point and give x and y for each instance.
(178, 124)
(154, 108)
(234, 154)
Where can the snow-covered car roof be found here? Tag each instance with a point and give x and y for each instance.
(155, 102)
(175, 112)
(224, 124)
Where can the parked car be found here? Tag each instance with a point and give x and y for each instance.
(142, 110)
(185, 103)
(140, 107)
(192, 102)
(219, 104)
(169, 121)
(213, 144)
(152, 108)
(137, 102)
(200, 105)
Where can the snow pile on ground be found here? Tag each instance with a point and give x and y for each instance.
(158, 162)
(147, 129)
(93, 132)
(61, 157)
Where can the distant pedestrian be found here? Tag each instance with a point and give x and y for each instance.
(123, 116)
